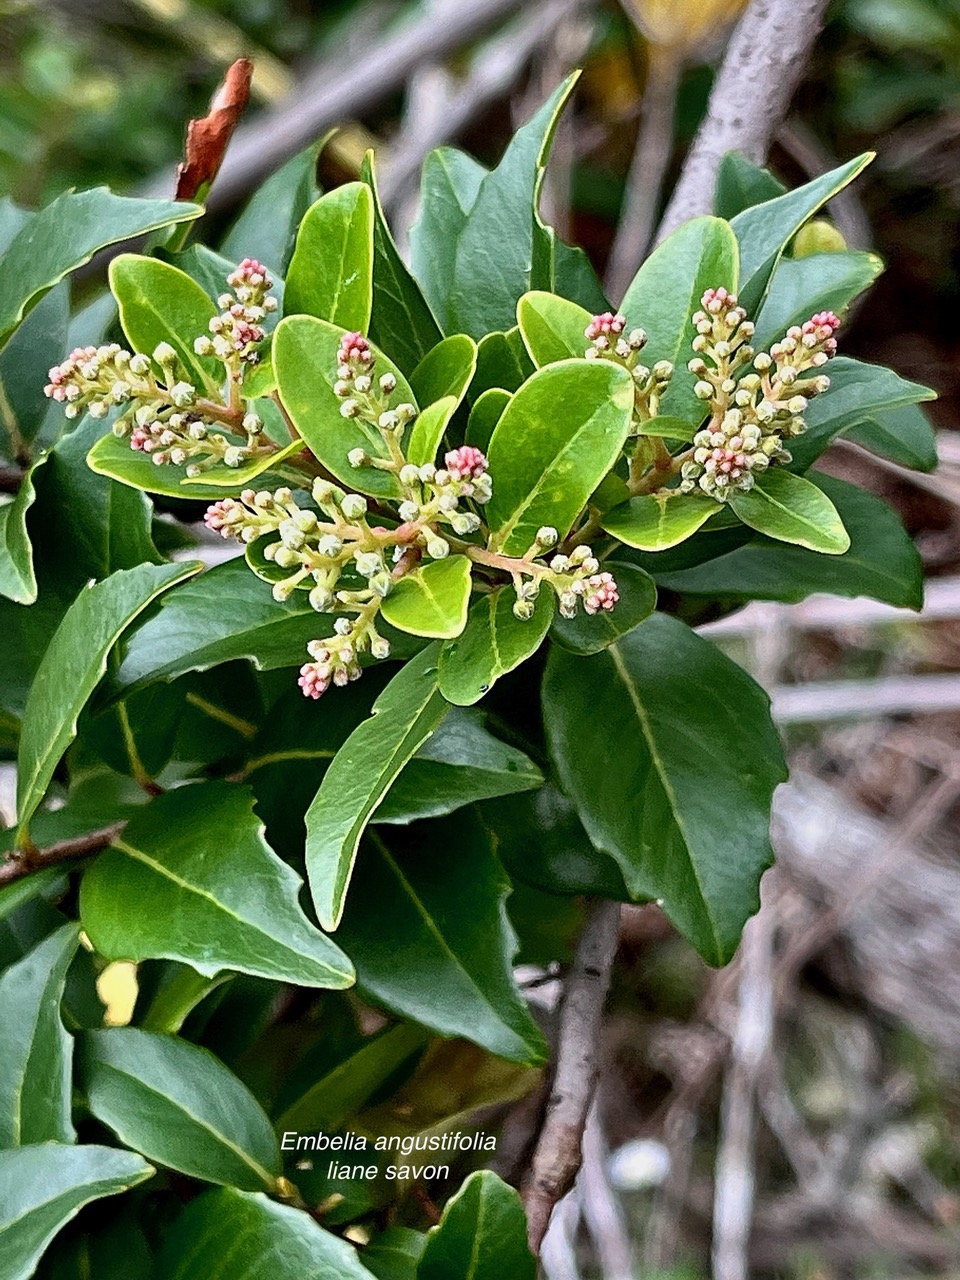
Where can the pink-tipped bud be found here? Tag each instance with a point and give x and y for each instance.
(250, 273)
(314, 679)
(355, 350)
(717, 300)
(822, 327)
(605, 324)
(601, 593)
(465, 463)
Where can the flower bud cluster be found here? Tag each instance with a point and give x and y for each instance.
(434, 496)
(368, 398)
(238, 329)
(97, 379)
(610, 341)
(576, 578)
(752, 414)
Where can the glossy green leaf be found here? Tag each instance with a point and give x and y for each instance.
(552, 328)
(683, 805)
(558, 437)
(39, 342)
(446, 918)
(904, 435)
(803, 286)
(66, 234)
(231, 478)
(42, 1187)
(432, 601)
(114, 458)
(638, 599)
(331, 272)
(170, 887)
(665, 294)
(742, 184)
(671, 428)
(655, 521)
(73, 666)
(486, 413)
(18, 581)
(764, 230)
(179, 1106)
(160, 303)
(493, 642)
(882, 561)
(36, 1054)
(226, 614)
(449, 184)
(38, 884)
(394, 1254)
(402, 322)
(563, 269)
(305, 358)
(460, 764)
(481, 1236)
(440, 382)
(791, 509)
(235, 1235)
(502, 361)
(403, 717)
(267, 227)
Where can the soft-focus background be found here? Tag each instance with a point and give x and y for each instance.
(797, 1114)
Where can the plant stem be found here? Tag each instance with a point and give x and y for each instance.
(28, 858)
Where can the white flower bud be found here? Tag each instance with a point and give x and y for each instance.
(252, 424)
(183, 394)
(353, 506)
(703, 390)
(163, 353)
(350, 409)
(388, 383)
(329, 546)
(358, 458)
(233, 457)
(379, 647)
(408, 510)
(437, 548)
(547, 536)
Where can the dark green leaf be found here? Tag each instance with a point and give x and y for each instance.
(493, 642)
(440, 382)
(486, 413)
(502, 361)
(791, 509)
(403, 717)
(43, 1187)
(683, 804)
(331, 272)
(902, 435)
(179, 1106)
(39, 342)
(638, 599)
(267, 227)
(803, 286)
(394, 1254)
(172, 887)
(482, 1235)
(741, 184)
(449, 186)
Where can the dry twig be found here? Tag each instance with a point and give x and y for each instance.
(25, 862)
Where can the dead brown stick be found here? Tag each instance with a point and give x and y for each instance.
(761, 69)
(22, 863)
(557, 1156)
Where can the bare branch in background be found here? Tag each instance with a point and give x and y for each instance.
(207, 138)
(557, 1157)
(763, 65)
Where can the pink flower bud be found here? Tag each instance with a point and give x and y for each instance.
(600, 593)
(355, 350)
(465, 463)
(314, 679)
(605, 324)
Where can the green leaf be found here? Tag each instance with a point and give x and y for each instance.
(305, 358)
(446, 918)
(73, 666)
(113, 457)
(18, 581)
(224, 615)
(66, 234)
(486, 413)
(403, 717)
(39, 342)
(558, 437)
(493, 642)
(764, 230)
(791, 509)
(171, 887)
(882, 562)
(37, 885)
(43, 1187)
(552, 328)
(179, 1106)
(267, 227)
(440, 382)
(655, 521)
(481, 1236)
(460, 764)
(665, 294)
(502, 361)
(36, 1053)
(638, 599)
(742, 184)
(449, 185)
(903, 435)
(394, 1254)
(402, 322)
(233, 1235)
(683, 805)
(432, 601)
(563, 269)
(331, 273)
(801, 287)
(160, 303)
(494, 255)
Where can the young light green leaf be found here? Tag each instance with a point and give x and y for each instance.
(882, 563)
(461, 764)
(493, 642)
(552, 327)
(486, 413)
(305, 359)
(903, 435)
(558, 437)
(638, 599)
(692, 834)
(432, 601)
(449, 913)
(655, 521)
(160, 303)
(18, 582)
(36, 1054)
(803, 286)
(113, 457)
(440, 382)
(665, 294)
(171, 888)
(403, 717)
(481, 1236)
(449, 184)
(179, 1106)
(42, 1187)
(72, 667)
(402, 321)
(331, 272)
(66, 234)
(791, 509)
